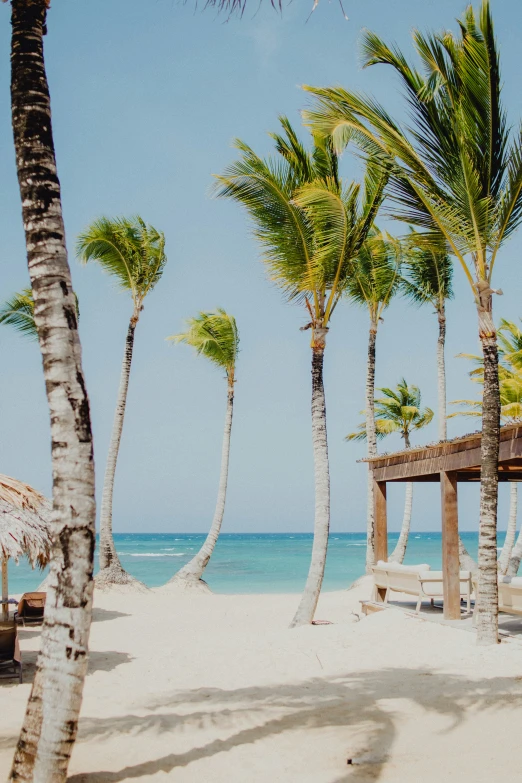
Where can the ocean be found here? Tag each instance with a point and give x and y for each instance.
(251, 562)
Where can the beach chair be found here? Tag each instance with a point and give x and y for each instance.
(418, 580)
(31, 608)
(10, 657)
(509, 595)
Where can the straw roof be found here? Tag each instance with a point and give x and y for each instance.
(25, 517)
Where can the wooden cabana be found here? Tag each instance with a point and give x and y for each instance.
(449, 463)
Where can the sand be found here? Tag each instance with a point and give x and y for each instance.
(217, 688)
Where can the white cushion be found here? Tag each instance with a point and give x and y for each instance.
(409, 569)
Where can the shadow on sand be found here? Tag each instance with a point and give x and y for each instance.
(346, 702)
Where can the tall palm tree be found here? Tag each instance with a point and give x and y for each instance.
(457, 172)
(373, 284)
(134, 253)
(428, 280)
(311, 227)
(400, 410)
(214, 336)
(44, 746)
(510, 383)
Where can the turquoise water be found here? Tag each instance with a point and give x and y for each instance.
(251, 563)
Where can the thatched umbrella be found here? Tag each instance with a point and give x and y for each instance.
(25, 517)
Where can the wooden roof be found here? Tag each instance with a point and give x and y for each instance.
(460, 455)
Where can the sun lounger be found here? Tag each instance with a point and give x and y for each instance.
(510, 594)
(418, 580)
(10, 657)
(31, 608)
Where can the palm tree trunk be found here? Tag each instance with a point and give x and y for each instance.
(487, 603)
(50, 724)
(466, 561)
(507, 549)
(307, 606)
(516, 555)
(398, 554)
(441, 373)
(190, 575)
(111, 570)
(371, 439)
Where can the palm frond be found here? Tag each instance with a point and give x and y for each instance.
(214, 335)
(18, 312)
(128, 249)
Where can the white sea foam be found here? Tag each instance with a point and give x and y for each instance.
(155, 554)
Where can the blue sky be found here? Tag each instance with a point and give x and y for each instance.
(146, 99)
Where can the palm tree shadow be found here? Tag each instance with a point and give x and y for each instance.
(345, 702)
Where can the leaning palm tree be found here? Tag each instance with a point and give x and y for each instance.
(134, 253)
(373, 284)
(311, 227)
(400, 410)
(457, 172)
(44, 746)
(214, 336)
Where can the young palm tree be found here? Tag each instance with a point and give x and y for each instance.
(399, 411)
(134, 253)
(311, 228)
(373, 284)
(44, 746)
(215, 336)
(455, 172)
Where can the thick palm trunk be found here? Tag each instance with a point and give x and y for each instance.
(399, 553)
(487, 603)
(111, 569)
(50, 724)
(507, 549)
(371, 440)
(466, 561)
(307, 606)
(190, 575)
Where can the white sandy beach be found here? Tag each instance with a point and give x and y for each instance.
(217, 688)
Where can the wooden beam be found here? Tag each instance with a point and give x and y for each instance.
(450, 546)
(380, 527)
(380, 520)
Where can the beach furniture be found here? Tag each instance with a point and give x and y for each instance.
(31, 608)
(417, 580)
(10, 657)
(509, 595)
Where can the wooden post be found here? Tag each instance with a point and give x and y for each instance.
(5, 594)
(450, 546)
(381, 525)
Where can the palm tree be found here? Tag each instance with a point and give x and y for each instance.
(375, 281)
(510, 383)
(134, 253)
(399, 411)
(311, 228)
(455, 172)
(215, 336)
(428, 280)
(44, 746)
